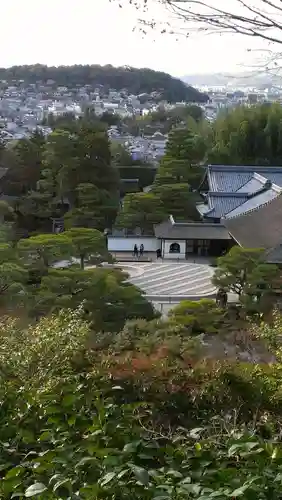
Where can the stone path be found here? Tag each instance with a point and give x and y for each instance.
(172, 279)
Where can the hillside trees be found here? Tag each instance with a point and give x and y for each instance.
(76, 174)
(136, 81)
(121, 155)
(24, 165)
(163, 120)
(248, 136)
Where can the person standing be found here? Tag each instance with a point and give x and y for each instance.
(141, 251)
(135, 250)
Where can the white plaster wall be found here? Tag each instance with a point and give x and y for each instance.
(121, 244)
(180, 255)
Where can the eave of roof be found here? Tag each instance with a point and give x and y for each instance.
(190, 230)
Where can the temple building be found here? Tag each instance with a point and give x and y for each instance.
(241, 205)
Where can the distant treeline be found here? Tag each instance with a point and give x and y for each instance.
(135, 81)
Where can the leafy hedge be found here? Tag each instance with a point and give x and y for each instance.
(85, 422)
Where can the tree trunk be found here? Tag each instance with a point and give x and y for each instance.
(82, 261)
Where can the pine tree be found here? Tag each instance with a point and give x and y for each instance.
(180, 164)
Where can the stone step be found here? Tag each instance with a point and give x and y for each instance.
(146, 278)
(187, 284)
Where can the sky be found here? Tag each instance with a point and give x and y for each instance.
(67, 32)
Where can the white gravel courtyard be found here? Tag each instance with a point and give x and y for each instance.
(172, 278)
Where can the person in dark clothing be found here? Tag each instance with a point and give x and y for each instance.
(159, 253)
(141, 251)
(135, 250)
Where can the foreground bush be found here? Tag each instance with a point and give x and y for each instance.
(77, 443)
(72, 425)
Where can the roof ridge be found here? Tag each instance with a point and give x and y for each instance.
(225, 194)
(244, 214)
(260, 178)
(245, 168)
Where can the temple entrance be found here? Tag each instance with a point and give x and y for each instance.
(207, 248)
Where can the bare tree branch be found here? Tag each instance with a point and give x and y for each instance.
(252, 18)
(245, 18)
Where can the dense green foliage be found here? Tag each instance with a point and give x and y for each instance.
(163, 120)
(24, 162)
(243, 271)
(141, 210)
(98, 418)
(198, 317)
(69, 174)
(51, 272)
(184, 153)
(248, 136)
(135, 81)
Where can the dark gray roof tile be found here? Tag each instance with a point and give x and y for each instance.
(230, 178)
(191, 230)
(221, 204)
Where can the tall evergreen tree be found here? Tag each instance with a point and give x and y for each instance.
(72, 160)
(24, 165)
(185, 150)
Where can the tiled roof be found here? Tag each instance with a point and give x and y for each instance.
(230, 178)
(260, 228)
(255, 201)
(186, 230)
(227, 181)
(275, 177)
(256, 183)
(222, 203)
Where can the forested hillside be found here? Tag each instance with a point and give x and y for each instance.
(135, 81)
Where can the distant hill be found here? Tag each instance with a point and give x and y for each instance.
(135, 81)
(251, 78)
